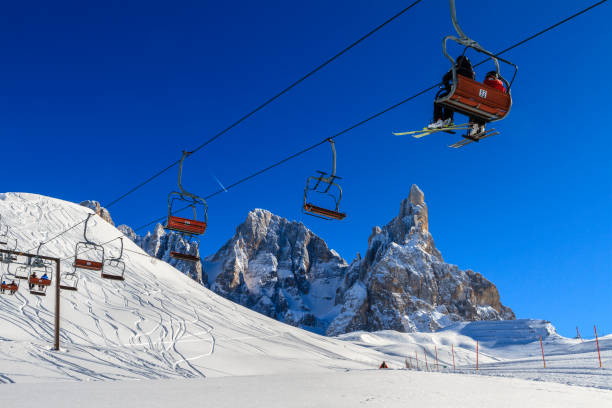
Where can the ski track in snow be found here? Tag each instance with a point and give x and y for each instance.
(156, 324)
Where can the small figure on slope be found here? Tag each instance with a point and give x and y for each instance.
(443, 115)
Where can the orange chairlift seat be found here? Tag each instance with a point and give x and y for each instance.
(10, 287)
(39, 268)
(88, 255)
(324, 185)
(188, 228)
(9, 284)
(470, 97)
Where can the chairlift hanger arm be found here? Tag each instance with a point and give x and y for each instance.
(469, 43)
(85, 229)
(180, 176)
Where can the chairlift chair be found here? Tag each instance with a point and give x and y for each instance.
(9, 284)
(69, 280)
(38, 286)
(92, 263)
(8, 242)
(188, 228)
(4, 232)
(114, 267)
(324, 185)
(22, 272)
(470, 97)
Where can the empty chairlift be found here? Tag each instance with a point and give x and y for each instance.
(114, 267)
(88, 255)
(188, 228)
(324, 185)
(4, 232)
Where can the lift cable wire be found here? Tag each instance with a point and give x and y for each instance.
(266, 103)
(376, 115)
(278, 163)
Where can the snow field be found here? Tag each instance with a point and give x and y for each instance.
(506, 349)
(371, 388)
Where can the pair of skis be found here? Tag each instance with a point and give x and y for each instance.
(474, 138)
(417, 134)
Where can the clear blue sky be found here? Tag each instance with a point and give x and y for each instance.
(98, 96)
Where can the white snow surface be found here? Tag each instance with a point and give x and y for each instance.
(203, 349)
(505, 348)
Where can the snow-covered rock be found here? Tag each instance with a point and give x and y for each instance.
(278, 268)
(403, 283)
(281, 269)
(99, 210)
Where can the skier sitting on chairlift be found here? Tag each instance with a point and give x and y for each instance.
(443, 115)
(30, 282)
(2, 287)
(13, 287)
(45, 277)
(492, 80)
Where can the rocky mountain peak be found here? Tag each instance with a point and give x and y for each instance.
(404, 284)
(99, 210)
(416, 196)
(279, 268)
(282, 269)
(411, 225)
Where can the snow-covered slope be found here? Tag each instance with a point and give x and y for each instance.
(158, 323)
(506, 348)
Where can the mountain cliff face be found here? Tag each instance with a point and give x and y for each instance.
(403, 283)
(283, 270)
(278, 268)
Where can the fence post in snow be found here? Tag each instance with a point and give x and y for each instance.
(425, 353)
(597, 340)
(476, 355)
(453, 349)
(542, 347)
(436, 348)
(416, 358)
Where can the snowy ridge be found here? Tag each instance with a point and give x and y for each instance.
(157, 324)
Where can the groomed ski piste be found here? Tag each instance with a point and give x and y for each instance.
(159, 339)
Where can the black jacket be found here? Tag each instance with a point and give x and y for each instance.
(465, 69)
